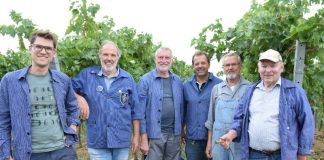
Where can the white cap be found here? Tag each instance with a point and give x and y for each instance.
(271, 55)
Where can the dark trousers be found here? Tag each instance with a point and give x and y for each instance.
(66, 153)
(195, 149)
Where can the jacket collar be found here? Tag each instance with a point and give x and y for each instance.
(24, 72)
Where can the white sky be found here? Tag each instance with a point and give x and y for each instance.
(174, 23)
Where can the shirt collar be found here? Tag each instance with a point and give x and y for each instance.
(156, 75)
(261, 85)
(241, 81)
(100, 73)
(194, 78)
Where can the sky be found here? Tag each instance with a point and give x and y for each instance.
(174, 23)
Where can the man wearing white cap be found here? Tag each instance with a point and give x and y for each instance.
(274, 118)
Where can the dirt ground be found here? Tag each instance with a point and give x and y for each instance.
(318, 148)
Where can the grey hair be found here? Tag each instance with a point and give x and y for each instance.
(105, 42)
(163, 49)
(232, 54)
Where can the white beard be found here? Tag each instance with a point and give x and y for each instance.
(231, 76)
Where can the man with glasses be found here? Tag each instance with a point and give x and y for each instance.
(38, 108)
(224, 100)
(274, 119)
(197, 90)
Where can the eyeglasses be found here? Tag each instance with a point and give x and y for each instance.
(38, 48)
(230, 64)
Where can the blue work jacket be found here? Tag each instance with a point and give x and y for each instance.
(15, 112)
(111, 112)
(196, 106)
(150, 89)
(296, 123)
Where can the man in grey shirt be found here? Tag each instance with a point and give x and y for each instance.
(161, 95)
(224, 100)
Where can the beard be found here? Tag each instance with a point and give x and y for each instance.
(231, 76)
(109, 69)
(163, 68)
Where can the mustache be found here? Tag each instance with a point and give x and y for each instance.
(161, 63)
(108, 61)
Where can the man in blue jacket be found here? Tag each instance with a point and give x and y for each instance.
(161, 95)
(113, 105)
(274, 119)
(197, 90)
(38, 108)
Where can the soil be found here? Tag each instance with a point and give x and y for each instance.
(318, 148)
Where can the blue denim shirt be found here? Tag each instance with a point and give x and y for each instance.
(296, 126)
(111, 112)
(150, 90)
(15, 112)
(196, 106)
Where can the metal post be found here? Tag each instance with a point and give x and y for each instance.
(299, 62)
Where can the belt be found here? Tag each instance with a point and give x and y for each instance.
(267, 153)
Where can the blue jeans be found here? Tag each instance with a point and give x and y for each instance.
(108, 154)
(254, 155)
(195, 149)
(66, 153)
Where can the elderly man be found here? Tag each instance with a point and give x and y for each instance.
(224, 100)
(197, 90)
(38, 108)
(161, 95)
(113, 104)
(274, 119)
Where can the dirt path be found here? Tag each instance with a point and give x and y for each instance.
(318, 146)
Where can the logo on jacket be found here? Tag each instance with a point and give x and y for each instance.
(123, 97)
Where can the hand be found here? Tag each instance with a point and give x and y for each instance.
(301, 157)
(208, 150)
(227, 139)
(144, 144)
(183, 137)
(74, 127)
(135, 144)
(84, 107)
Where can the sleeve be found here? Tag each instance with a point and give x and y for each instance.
(211, 112)
(305, 122)
(142, 89)
(185, 106)
(239, 114)
(78, 83)
(137, 110)
(5, 122)
(182, 109)
(71, 106)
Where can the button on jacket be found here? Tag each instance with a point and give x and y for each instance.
(296, 127)
(150, 90)
(111, 112)
(15, 112)
(196, 106)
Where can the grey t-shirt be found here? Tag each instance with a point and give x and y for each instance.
(47, 132)
(167, 118)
